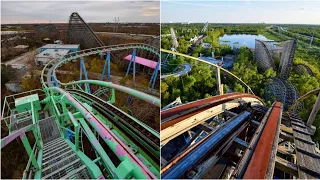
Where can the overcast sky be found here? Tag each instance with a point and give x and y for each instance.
(245, 11)
(94, 11)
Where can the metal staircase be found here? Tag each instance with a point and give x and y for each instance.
(59, 161)
(20, 120)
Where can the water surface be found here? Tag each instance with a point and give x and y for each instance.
(243, 39)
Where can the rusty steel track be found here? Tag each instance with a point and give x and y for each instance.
(185, 161)
(262, 157)
(177, 114)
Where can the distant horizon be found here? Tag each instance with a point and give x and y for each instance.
(30, 12)
(230, 23)
(242, 12)
(233, 23)
(86, 22)
(160, 23)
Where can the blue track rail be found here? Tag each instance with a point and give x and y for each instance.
(184, 164)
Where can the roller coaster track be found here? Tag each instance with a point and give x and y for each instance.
(259, 132)
(180, 119)
(201, 138)
(186, 70)
(264, 62)
(49, 69)
(77, 29)
(303, 69)
(136, 130)
(124, 146)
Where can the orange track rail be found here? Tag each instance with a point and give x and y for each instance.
(211, 102)
(258, 166)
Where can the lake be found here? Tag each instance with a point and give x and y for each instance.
(243, 39)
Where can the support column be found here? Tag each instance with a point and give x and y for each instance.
(108, 61)
(133, 58)
(106, 64)
(112, 98)
(218, 80)
(154, 75)
(134, 71)
(314, 111)
(83, 67)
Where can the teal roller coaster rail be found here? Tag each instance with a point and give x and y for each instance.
(77, 134)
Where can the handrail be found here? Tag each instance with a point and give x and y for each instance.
(8, 139)
(5, 99)
(198, 59)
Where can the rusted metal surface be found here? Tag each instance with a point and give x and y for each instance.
(178, 109)
(187, 110)
(190, 156)
(258, 166)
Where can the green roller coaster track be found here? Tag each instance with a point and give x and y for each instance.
(78, 134)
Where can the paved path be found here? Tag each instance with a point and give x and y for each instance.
(186, 69)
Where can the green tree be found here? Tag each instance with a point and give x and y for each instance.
(238, 88)
(164, 87)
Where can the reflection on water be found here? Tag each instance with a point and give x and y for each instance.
(243, 39)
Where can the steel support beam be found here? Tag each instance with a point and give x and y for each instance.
(28, 148)
(106, 64)
(218, 81)
(153, 78)
(133, 58)
(83, 68)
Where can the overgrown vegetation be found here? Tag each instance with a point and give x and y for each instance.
(200, 83)
(7, 73)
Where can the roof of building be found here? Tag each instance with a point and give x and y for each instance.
(53, 53)
(26, 99)
(61, 46)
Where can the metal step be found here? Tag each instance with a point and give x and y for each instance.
(62, 171)
(50, 142)
(57, 158)
(80, 173)
(56, 154)
(65, 146)
(53, 143)
(54, 146)
(59, 164)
